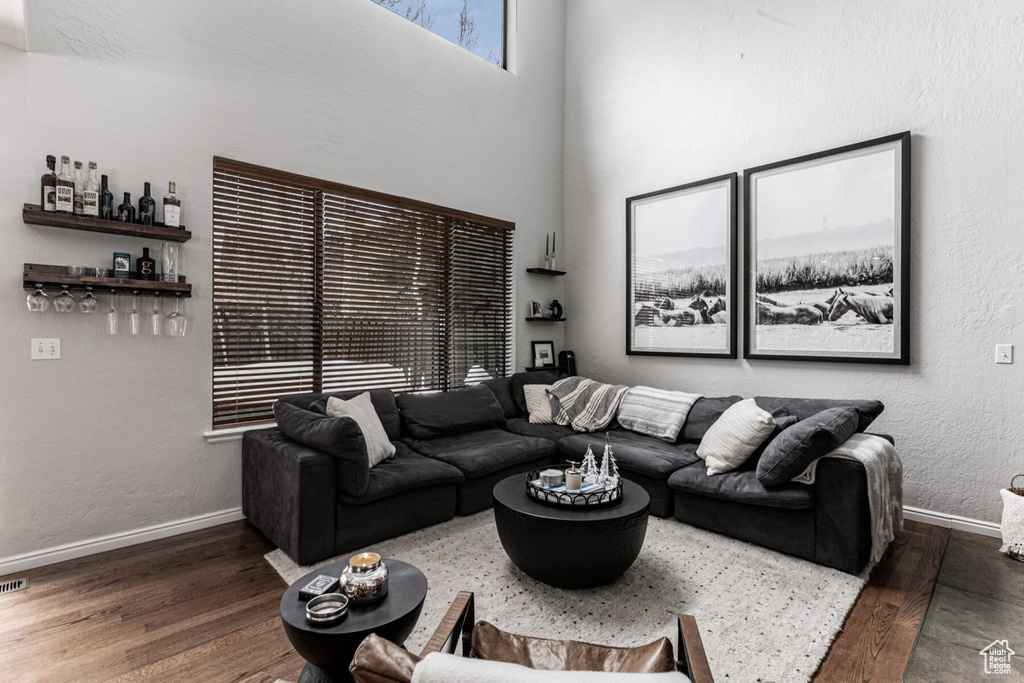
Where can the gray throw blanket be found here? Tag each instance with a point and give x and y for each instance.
(585, 405)
(885, 485)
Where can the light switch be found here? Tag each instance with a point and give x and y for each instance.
(46, 349)
(1004, 353)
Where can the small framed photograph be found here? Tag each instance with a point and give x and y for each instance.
(122, 265)
(543, 354)
(535, 309)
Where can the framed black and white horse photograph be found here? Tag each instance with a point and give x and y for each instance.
(827, 268)
(681, 270)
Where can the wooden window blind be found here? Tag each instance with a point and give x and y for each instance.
(322, 287)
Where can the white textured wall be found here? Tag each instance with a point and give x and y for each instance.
(109, 439)
(664, 92)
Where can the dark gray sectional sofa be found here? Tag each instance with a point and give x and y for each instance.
(307, 485)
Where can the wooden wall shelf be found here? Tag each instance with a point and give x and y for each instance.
(33, 215)
(54, 277)
(545, 320)
(545, 271)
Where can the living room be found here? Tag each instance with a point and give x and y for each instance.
(118, 491)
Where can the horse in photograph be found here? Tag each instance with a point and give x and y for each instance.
(800, 314)
(871, 308)
(695, 314)
(717, 312)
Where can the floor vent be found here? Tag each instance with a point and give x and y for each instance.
(12, 586)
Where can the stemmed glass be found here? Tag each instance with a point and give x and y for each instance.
(65, 301)
(38, 301)
(155, 318)
(88, 303)
(112, 315)
(134, 317)
(176, 321)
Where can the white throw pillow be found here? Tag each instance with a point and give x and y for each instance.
(735, 436)
(538, 403)
(378, 447)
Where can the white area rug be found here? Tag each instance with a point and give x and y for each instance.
(762, 615)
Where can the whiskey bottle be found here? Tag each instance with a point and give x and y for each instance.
(126, 212)
(147, 207)
(172, 207)
(91, 193)
(145, 267)
(48, 186)
(106, 200)
(79, 188)
(65, 198)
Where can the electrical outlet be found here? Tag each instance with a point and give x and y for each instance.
(46, 349)
(1004, 353)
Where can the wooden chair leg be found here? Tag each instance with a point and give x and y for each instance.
(692, 659)
(456, 625)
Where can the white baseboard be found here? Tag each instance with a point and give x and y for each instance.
(946, 521)
(72, 551)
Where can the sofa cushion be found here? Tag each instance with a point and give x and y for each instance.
(383, 401)
(552, 432)
(795, 448)
(360, 409)
(501, 387)
(704, 413)
(804, 408)
(783, 420)
(538, 403)
(741, 486)
(655, 412)
(522, 378)
(338, 436)
(735, 436)
(633, 452)
(430, 416)
(484, 451)
(492, 644)
(406, 471)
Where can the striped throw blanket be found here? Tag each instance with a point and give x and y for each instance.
(586, 405)
(656, 412)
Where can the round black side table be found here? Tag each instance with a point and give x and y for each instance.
(570, 547)
(328, 650)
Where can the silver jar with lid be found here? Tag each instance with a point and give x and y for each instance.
(365, 579)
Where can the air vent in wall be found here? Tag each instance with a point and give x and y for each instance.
(16, 585)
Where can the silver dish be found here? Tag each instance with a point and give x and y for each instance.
(326, 609)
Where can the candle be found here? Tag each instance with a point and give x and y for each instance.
(573, 481)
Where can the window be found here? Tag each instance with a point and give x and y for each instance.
(322, 287)
(476, 25)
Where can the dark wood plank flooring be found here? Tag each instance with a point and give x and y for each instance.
(203, 607)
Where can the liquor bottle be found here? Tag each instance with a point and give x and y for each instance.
(106, 200)
(65, 201)
(91, 193)
(79, 188)
(147, 207)
(126, 212)
(145, 267)
(172, 207)
(48, 186)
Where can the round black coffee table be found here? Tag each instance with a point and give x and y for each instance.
(329, 649)
(570, 547)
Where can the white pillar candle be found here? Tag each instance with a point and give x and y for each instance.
(573, 481)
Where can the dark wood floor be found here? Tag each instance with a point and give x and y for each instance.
(203, 606)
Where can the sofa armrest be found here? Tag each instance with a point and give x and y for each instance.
(842, 515)
(289, 492)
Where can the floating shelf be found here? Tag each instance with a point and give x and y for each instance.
(33, 215)
(54, 277)
(545, 271)
(545, 320)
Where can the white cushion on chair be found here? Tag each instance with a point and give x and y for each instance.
(438, 667)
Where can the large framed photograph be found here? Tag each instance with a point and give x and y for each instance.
(827, 274)
(681, 270)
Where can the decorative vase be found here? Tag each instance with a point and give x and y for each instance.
(365, 579)
(556, 309)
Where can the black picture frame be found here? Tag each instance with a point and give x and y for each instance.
(667, 326)
(538, 345)
(850, 259)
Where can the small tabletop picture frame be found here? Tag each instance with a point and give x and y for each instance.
(543, 354)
